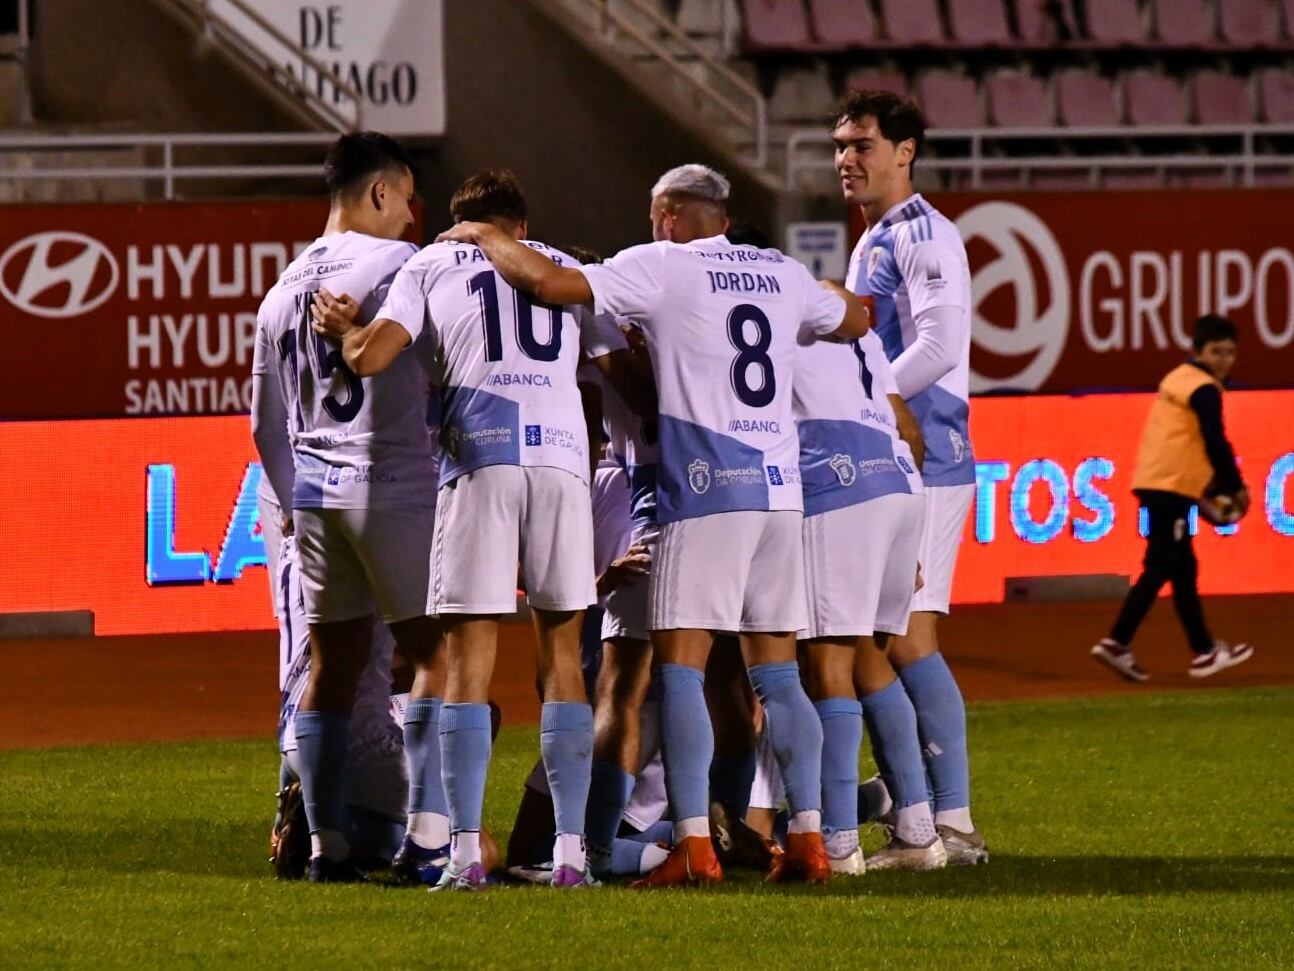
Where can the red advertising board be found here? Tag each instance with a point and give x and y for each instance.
(139, 309)
(152, 523)
(1089, 290)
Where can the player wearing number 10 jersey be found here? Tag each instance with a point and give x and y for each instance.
(361, 488)
(722, 323)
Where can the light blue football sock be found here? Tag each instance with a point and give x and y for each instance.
(609, 793)
(892, 722)
(794, 731)
(566, 742)
(941, 725)
(422, 750)
(842, 736)
(730, 782)
(323, 738)
(687, 740)
(464, 761)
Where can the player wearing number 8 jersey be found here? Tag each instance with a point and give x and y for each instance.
(513, 485)
(360, 486)
(722, 323)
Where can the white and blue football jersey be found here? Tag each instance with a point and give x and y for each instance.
(913, 260)
(850, 449)
(357, 442)
(722, 323)
(509, 395)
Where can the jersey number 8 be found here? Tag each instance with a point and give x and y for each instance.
(751, 355)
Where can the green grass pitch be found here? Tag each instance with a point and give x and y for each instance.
(1147, 831)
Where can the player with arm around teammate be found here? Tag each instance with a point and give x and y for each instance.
(911, 264)
(361, 477)
(728, 486)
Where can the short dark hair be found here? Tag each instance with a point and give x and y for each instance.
(584, 254)
(897, 117)
(486, 196)
(358, 156)
(1210, 328)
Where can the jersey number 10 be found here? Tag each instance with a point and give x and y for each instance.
(486, 289)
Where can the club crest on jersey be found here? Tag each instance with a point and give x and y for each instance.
(873, 259)
(843, 466)
(958, 444)
(698, 476)
(452, 441)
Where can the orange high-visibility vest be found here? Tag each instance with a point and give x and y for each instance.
(1172, 456)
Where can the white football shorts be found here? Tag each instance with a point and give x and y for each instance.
(946, 509)
(352, 559)
(731, 571)
(860, 566)
(491, 519)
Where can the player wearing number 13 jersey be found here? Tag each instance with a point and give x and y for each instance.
(722, 324)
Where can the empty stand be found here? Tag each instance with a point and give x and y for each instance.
(1042, 22)
(801, 95)
(1249, 23)
(1115, 23)
(1222, 99)
(913, 22)
(1019, 100)
(1184, 23)
(979, 23)
(864, 79)
(1151, 98)
(1085, 99)
(843, 23)
(950, 100)
(775, 24)
(1276, 96)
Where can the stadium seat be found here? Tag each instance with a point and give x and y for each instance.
(842, 23)
(1152, 98)
(801, 95)
(1287, 8)
(1040, 22)
(1115, 23)
(912, 21)
(865, 79)
(1276, 96)
(1085, 99)
(979, 23)
(1019, 100)
(1222, 99)
(1184, 23)
(775, 24)
(1249, 23)
(950, 100)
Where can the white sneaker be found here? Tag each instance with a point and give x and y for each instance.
(1120, 658)
(1221, 657)
(898, 855)
(963, 849)
(844, 854)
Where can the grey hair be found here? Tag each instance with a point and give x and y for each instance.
(698, 181)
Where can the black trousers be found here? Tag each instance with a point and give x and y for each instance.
(1170, 558)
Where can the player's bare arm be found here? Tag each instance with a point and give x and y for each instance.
(858, 315)
(366, 350)
(909, 428)
(523, 268)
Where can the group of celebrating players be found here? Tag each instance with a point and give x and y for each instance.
(786, 474)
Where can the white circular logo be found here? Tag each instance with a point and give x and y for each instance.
(84, 277)
(1037, 334)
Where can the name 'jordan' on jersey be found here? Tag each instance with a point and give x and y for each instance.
(357, 442)
(722, 324)
(912, 260)
(509, 394)
(850, 449)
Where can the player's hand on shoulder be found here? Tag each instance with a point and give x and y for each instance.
(464, 232)
(333, 316)
(635, 563)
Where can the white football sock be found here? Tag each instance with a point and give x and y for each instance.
(958, 819)
(692, 826)
(330, 844)
(915, 824)
(805, 821)
(568, 850)
(465, 848)
(429, 830)
(653, 856)
(842, 843)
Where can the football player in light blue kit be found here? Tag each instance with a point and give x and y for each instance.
(361, 485)
(721, 322)
(911, 264)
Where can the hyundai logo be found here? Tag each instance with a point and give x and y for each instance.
(65, 274)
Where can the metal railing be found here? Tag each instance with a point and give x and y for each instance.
(264, 64)
(734, 97)
(168, 171)
(969, 151)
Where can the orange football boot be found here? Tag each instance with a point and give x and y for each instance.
(691, 863)
(805, 860)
